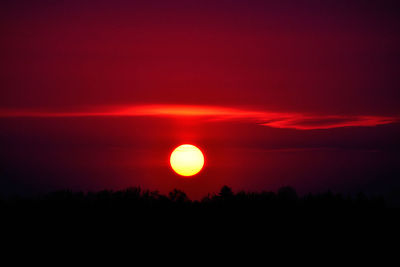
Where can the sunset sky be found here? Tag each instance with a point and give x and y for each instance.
(96, 94)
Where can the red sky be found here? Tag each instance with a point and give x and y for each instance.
(249, 77)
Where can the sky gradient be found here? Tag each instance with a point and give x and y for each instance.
(96, 94)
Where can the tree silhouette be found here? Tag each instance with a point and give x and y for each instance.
(178, 196)
(226, 192)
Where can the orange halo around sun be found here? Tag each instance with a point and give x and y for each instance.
(187, 160)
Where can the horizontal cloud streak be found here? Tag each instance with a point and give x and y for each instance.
(287, 120)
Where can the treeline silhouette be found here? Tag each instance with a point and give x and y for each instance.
(226, 214)
(134, 199)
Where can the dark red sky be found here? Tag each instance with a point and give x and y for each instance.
(264, 87)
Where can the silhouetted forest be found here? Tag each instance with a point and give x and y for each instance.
(135, 212)
(134, 199)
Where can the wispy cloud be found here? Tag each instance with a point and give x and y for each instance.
(288, 120)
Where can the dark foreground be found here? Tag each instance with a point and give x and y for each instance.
(226, 216)
(133, 202)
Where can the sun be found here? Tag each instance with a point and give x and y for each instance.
(187, 160)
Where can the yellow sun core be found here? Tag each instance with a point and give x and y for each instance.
(187, 160)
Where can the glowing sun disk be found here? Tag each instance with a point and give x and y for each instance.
(187, 160)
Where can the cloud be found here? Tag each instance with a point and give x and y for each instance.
(287, 120)
(310, 122)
